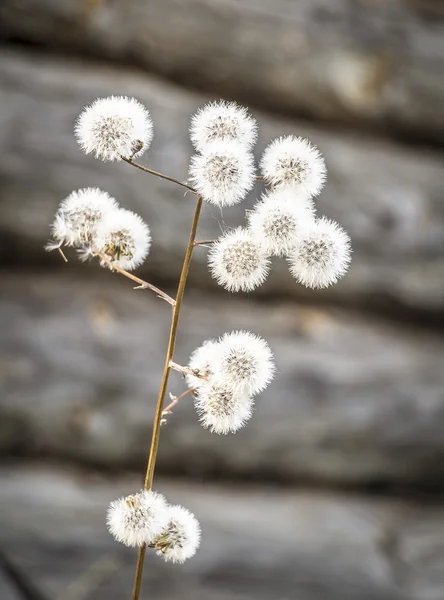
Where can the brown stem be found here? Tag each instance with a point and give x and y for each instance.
(175, 400)
(157, 174)
(184, 370)
(163, 386)
(143, 284)
(204, 242)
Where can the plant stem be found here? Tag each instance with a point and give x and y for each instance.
(157, 174)
(204, 242)
(175, 400)
(185, 370)
(143, 284)
(163, 386)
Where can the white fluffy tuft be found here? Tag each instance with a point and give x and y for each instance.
(238, 261)
(294, 161)
(138, 519)
(322, 254)
(201, 360)
(244, 362)
(114, 127)
(220, 121)
(181, 538)
(224, 173)
(124, 238)
(276, 221)
(79, 215)
(221, 408)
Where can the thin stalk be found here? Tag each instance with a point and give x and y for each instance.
(62, 254)
(157, 174)
(143, 284)
(185, 370)
(204, 242)
(164, 383)
(174, 400)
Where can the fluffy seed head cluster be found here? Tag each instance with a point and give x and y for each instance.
(78, 216)
(124, 238)
(238, 261)
(222, 121)
(114, 127)
(221, 408)
(200, 362)
(145, 518)
(224, 173)
(231, 371)
(276, 221)
(322, 254)
(181, 538)
(138, 519)
(244, 362)
(91, 221)
(294, 161)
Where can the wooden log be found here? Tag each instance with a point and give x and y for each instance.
(369, 62)
(388, 197)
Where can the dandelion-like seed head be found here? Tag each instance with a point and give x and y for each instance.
(200, 362)
(138, 519)
(221, 408)
(79, 216)
(244, 362)
(221, 121)
(114, 127)
(238, 261)
(277, 219)
(294, 161)
(124, 238)
(181, 538)
(322, 254)
(224, 173)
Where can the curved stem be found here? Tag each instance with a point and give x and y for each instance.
(163, 386)
(157, 174)
(143, 284)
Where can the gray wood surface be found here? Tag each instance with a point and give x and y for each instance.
(377, 62)
(388, 197)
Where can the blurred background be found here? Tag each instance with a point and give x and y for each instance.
(334, 490)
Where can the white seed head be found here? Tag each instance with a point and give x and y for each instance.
(276, 221)
(294, 161)
(200, 361)
(138, 519)
(114, 127)
(238, 261)
(221, 408)
(220, 121)
(79, 215)
(181, 538)
(124, 238)
(224, 173)
(243, 361)
(322, 255)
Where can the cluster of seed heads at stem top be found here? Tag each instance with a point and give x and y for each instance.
(225, 375)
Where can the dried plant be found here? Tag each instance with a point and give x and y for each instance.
(224, 376)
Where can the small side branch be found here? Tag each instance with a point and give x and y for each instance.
(174, 400)
(157, 174)
(204, 242)
(185, 370)
(143, 285)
